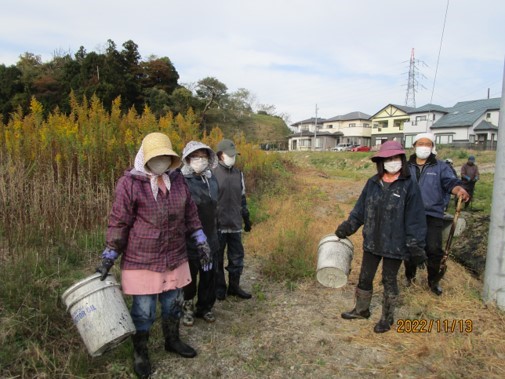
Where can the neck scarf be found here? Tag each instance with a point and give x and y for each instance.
(140, 166)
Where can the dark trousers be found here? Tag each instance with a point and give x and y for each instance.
(369, 267)
(469, 187)
(205, 281)
(232, 243)
(433, 249)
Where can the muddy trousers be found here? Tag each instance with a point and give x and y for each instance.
(433, 249)
(369, 267)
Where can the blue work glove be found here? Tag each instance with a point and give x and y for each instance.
(204, 252)
(418, 256)
(476, 178)
(467, 178)
(108, 258)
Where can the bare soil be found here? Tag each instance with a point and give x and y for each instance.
(286, 331)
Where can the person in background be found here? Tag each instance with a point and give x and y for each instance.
(198, 159)
(436, 180)
(231, 212)
(150, 216)
(390, 208)
(469, 176)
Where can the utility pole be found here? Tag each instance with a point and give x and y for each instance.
(315, 132)
(494, 276)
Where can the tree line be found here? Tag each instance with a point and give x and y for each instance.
(153, 83)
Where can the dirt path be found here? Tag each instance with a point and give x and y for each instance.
(297, 332)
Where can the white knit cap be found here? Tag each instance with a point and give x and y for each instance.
(429, 136)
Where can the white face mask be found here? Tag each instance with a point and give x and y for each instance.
(199, 164)
(158, 165)
(393, 166)
(229, 161)
(423, 152)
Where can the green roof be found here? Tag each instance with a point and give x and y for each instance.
(466, 113)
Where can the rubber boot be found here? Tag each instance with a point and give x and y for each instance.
(234, 288)
(435, 288)
(362, 308)
(434, 276)
(388, 314)
(141, 364)
(172, 341)
(410, 272)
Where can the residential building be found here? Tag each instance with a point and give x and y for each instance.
(388, 123)
(355, 127)
(469, 122)
(324, 134)
(421, 121)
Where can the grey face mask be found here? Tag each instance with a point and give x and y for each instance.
(159, 165)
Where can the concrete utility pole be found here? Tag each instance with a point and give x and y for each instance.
(494, 276)
(315, 132)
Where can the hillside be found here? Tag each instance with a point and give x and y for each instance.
(257, 128)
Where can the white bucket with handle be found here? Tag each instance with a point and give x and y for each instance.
(334, 257)
(100, 313)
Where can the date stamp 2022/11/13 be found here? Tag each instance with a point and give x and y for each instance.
(434, 326)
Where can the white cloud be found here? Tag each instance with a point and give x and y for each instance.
(294, 54)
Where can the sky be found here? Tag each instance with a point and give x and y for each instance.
(305, 57)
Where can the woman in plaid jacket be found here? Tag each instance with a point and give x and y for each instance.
(151, 215)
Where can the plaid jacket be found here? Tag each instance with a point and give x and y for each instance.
(150, 234)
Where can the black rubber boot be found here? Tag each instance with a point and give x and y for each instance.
(435, 288)
(172, 341)
(388, 314)
(141, 364)
(234, 288)
(362, 308)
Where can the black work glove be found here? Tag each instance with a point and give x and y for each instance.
(343, 230)
(418, 256)
(104, 269)
(247, 224)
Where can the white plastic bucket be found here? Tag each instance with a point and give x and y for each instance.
(334, 257)
(99, 312)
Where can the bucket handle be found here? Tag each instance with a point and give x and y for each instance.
(110, 284)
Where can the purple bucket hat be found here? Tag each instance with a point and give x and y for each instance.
(387, 150)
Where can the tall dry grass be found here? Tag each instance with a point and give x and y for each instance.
(57, 178)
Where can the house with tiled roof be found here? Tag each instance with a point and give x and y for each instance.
(354, 126)
(388, 123)
(421, 121)
(324, 134)
(474, 122)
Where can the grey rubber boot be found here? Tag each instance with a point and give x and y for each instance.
(362, 308)
(388, 314)
(141, 363)
(172, 341)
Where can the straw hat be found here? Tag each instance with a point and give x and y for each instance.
(156, 144)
